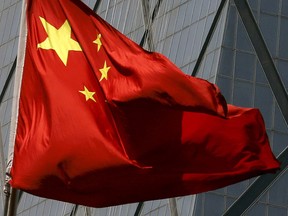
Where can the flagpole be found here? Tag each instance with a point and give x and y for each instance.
(7, 195)
(11, 195)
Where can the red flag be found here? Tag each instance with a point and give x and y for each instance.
(102, 122)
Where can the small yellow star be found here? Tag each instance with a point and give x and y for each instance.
(88, 94)
(98, 42)
(104, 71)
(59, 40)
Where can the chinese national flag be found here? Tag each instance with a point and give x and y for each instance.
(100, 121)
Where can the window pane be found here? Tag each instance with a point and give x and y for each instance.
(245, 66)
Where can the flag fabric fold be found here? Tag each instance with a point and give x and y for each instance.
(101, 122)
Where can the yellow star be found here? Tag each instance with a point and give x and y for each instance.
(98, 42)
(88, 94)
(104, 71)
(59, 40)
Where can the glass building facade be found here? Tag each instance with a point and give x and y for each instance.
(206, 38)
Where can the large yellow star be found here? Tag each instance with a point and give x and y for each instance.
(59, 40)
(104, 71)
(98, 42)
(88, 94)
